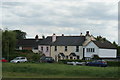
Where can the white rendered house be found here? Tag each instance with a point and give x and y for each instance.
(104, 49)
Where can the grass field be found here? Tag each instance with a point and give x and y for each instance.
(46, 70)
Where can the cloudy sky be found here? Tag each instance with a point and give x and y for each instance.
(68, 17)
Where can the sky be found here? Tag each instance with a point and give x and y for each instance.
(68, 17)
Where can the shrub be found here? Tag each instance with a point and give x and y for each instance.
(113, 63)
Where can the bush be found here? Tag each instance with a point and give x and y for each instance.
(33, 57)
(113, 63)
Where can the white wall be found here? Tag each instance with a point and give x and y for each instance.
(91, 45)
(103, 53)
(47, 53)
(107, 53)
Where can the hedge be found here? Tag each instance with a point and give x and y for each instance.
(72, 60)
(113, 63)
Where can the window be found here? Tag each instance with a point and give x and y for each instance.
(90, 50)
(65, 48)
(47, 49)
(41, 48)
(55, 48)
(77, 48)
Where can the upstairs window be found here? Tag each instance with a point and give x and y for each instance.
(65, 48)
(41, 48)
(77, 48)
(90, 50)
(47, 49)
(55, 48)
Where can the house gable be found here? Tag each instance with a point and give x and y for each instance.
(90, 49)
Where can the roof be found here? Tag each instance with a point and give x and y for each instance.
(28, 42)
(46, 41)
(73, 54)
(61, 54)
(104, 44)
(69, 41)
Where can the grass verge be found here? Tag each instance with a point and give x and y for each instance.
(46, 70)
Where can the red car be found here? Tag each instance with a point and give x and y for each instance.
(3, 60)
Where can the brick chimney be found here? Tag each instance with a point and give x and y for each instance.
(81, 34)
(62, 34)
(53, 37)
(88, 37)
(87, 33)
(37, 38)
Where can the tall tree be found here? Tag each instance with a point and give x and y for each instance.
(115, 44)
(100, 38)
(8, 43)
(20, 34)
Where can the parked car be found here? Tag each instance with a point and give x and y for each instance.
(19, 59)
(100, 63)
(3, 60)
(76, 63)
(46, 59)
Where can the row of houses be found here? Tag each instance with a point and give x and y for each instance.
(69, 47)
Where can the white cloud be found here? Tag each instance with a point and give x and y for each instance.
(68, 17)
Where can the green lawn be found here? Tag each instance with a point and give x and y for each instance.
(54, 70)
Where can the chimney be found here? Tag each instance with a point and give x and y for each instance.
(87, 33)
(53, 37)
(81, 34)
(37, 38)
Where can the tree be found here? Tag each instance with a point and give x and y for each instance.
(8, 43)
(20, 34)
(115, 44)
(100, 38)
(43, 37)
(118, 51)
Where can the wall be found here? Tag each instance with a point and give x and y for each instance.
(70, 49)
(47, 53)
(107, 53)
